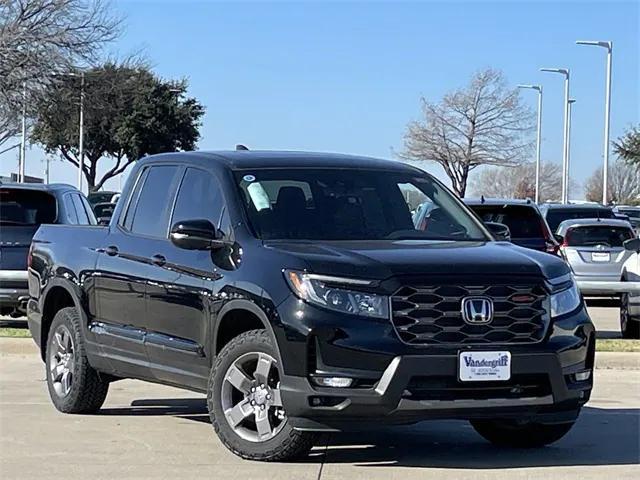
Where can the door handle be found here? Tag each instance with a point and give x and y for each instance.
(158, 260)
(111, 250)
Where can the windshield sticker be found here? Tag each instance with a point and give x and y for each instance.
(248, 178)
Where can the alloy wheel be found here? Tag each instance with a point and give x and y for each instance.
(61, 361)
(251, 397)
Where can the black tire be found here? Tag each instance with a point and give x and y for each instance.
(288, 443)
(629, 326)
(88, 390)
(520, 435)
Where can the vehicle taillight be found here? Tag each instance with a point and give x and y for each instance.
(551, 245)
(30, 256)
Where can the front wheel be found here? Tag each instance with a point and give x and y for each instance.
(629, 326)
(245, 405)
(520, 435)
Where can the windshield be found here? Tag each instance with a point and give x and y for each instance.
(629, 212)
(556, 216)
(523, 221)
(100, 197)
(349, 204)
(597, 235)
(26, 207)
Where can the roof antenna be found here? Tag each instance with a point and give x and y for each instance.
(481, 198)
(241, 147)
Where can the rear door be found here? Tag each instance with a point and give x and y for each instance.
(178, 320)
(597, 251)
(124, 268)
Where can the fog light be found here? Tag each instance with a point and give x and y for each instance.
(333, 382)
(583, 376)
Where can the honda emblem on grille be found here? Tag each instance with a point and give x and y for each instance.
(477, 310)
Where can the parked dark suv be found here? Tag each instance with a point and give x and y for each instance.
(526, 224)
(294, 290)
(556, 213)
(23, 208)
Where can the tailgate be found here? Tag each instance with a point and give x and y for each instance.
(596, 260)
(14, 246)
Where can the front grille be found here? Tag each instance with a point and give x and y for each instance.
(432, 314)
(448, 388)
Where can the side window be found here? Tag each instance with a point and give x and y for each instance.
(83, 219)
(88, 209)
(151, 216)
(126, 219)
(70, 209)
(199, 197)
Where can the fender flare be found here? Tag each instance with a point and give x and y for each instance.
(248, 306)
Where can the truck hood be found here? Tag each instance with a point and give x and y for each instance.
(379, 260)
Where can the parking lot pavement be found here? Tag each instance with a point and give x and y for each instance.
(151, 431)
(605, 314)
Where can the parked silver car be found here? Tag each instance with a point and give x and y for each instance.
(594, 249)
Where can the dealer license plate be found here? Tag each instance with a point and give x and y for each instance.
(484, 366)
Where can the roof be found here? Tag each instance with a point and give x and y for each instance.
(574, 206)
(254, 159)
(497, 201)
(43, 187)
(592, 222)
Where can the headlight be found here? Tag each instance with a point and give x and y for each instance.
(330, 292)
(566, 300)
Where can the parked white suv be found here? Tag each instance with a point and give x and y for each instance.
(630, 298)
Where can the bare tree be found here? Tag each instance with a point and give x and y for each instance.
(518, 181)
(40, 39)
(484, 123)
(624, 183)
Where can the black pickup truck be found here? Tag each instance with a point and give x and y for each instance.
(295, 291)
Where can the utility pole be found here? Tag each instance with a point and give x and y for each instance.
(23, 141)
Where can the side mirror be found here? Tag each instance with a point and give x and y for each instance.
(195, 235)
(558, 238)
(499, 230)
(632, 244)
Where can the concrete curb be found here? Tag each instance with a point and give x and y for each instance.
(604, 360)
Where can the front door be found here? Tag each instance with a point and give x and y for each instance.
(179, 286)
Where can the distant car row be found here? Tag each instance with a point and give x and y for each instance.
(589, 237)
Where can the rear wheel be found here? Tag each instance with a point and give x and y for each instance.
(520, 435)
(629, 326)
(245, 405)
(74, 386)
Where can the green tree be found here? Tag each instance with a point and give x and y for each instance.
(628, 146)
(128, 113)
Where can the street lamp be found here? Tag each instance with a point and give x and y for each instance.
(565, 136)
(23, 140)
(81, 126)
(571, 102)
(538, 88)
(607, 111)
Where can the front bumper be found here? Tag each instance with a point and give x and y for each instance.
(399, 384)
(598, 286)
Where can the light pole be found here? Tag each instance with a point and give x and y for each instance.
(81, 140)
(607, 112)
(565, 136)
(538, 88)
(571, 102)
(23, 141)
(81, 123)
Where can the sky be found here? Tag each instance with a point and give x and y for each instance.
(348, 77)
